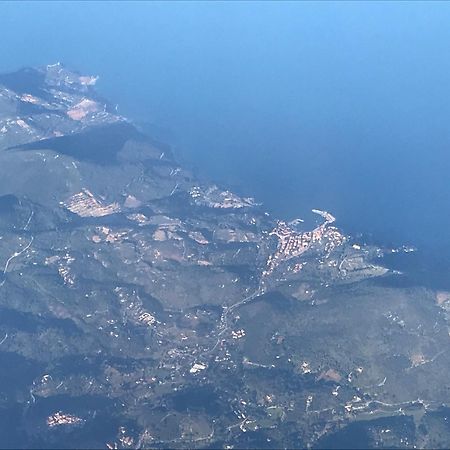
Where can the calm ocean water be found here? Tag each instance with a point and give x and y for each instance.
(340, 106)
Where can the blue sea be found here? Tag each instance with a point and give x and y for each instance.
(338, 106)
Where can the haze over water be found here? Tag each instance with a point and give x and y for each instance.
(339, 106)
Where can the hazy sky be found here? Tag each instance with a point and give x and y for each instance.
(342, 106)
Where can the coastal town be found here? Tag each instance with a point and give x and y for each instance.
(292, 243)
